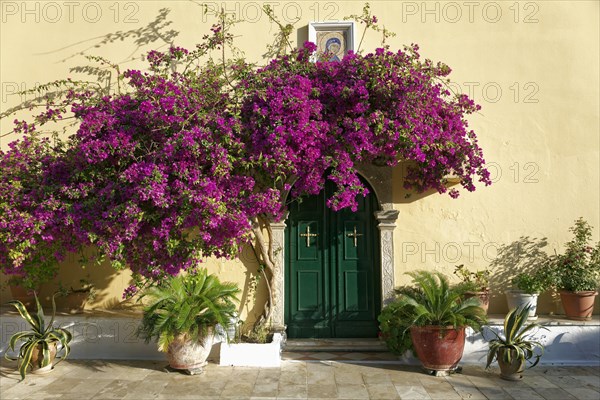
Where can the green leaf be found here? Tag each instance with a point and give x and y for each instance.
(25, 314)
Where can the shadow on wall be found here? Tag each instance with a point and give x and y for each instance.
(155, 34)
(254, 295)
(75, 274)
(155, 31)
(573, 345)
(525, 255)
(407, 196)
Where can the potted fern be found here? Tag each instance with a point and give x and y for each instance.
(182, 313)
(435, 315)
(516, 346)
(41, 344)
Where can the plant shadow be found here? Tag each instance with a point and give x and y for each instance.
(525, 255)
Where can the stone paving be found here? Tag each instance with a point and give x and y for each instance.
(84, 379)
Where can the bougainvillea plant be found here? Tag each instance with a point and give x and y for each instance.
(193, 157)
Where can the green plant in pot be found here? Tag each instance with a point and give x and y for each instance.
(41, 344)
(516, 346)
(528, 286)
(435, 316)
(395, 325)
(576, 273)
(73, 299)
(181, 315)
(474, 284)
(34, 275)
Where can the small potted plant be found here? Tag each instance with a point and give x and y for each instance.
(258, 347)
(182, 313)
(34, 275)
(576, 273)
(435, 315)
(41, 344)
(528, 288)
(516, 346)
(73, 300)
(474, 284)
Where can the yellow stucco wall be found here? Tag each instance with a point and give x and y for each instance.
(533, 66)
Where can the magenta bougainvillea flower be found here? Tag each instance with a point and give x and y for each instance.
(175, 167)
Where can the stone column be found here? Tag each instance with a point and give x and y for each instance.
(277, 317)
(387, 224)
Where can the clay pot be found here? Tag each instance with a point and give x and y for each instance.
(483, 296)
(439, 348)
(578, 306)
(37, 357)
(73, 302)
(24, 296)
(510, 371)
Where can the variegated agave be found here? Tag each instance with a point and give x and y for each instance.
(517, 337)
(40, 334)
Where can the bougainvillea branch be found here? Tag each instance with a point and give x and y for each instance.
(179, 166)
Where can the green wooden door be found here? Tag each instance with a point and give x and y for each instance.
(332, 270)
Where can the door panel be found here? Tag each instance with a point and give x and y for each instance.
(307, 279)
(358, 282)
(332, 269)
(355, 292)
(308, 284)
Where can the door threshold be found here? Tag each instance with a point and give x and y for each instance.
(336, 344)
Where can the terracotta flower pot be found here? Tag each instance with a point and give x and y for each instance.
(73, 302)
(439, 348)
(37, 357)
(483, 296)
(23, 295)
(510, 371)
(578, 305)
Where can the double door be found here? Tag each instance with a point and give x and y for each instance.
(332, 270)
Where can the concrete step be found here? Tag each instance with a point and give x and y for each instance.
(330, 345)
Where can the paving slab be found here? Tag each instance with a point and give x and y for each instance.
(324, 379)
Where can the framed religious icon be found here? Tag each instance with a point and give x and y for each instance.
(333, 39)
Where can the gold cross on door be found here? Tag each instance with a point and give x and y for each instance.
(354, 235)
(308, 235)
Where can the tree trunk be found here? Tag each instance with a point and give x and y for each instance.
(265, 259)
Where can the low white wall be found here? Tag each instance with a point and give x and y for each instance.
(113, 337)
(565, 344)
(94, 337)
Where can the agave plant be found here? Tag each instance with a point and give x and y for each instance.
(41, 338)
(187, 304)
(517, 342)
